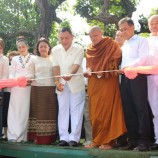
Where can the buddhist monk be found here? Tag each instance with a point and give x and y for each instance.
(106, 112)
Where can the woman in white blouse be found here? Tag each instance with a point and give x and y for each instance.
(20, 96)
(43, 108)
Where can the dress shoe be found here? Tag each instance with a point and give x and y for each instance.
(23, 141)
(63, 143)
(127, 147)
(154, 147)
(73, 143)
(141, 147)
(1, 136)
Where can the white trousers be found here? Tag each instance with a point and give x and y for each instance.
(18, 113)
(70, 108)
(153, 101)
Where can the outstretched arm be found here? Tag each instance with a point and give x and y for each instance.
(132, 72)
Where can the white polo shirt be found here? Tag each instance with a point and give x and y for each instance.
(135, 51)
(65, 60)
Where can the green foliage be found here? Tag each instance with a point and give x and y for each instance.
(17, 15)
(54, 2)
(143, 21)
(65, 23)
(88, 7)
(53, 39)
(65, 7)
(11, 44)
(92, 8)
(144, 35)
(116, 8)
(24, 15)
(110, 30)
(154, 11)
(98, 23)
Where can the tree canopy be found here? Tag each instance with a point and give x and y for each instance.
(36, 18)
(108, 12)
(32, 18)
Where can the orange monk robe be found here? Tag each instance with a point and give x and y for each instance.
(105, 103)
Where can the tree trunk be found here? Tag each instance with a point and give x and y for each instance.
(48, 15)
(107, 18)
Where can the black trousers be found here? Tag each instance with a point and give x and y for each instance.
(135, 105)
(5, 108)
(1, 121)
(1, 112)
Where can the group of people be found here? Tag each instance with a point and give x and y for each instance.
(146, 64)
(54, 99)
(32, 111)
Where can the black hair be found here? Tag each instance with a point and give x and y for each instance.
(21, 39)
(66, 29)
(42, 39)
(128, 20)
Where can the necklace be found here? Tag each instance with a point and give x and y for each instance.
(24, 62)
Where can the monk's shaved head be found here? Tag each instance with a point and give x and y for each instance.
(95, 28)
(153, 24)
(95, 34)
(152, 18)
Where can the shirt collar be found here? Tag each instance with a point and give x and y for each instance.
(72, 45)
(25, 55)
(153, 35)
(133, 37)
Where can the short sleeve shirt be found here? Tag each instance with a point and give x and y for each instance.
(65, 60)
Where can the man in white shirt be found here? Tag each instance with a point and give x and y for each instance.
(67, 60)
(134, 92)
(153, 79)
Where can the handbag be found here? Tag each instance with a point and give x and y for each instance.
(1, 97)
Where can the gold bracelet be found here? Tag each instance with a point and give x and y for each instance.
(56, 82)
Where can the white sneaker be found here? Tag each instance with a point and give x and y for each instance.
(87, 142)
